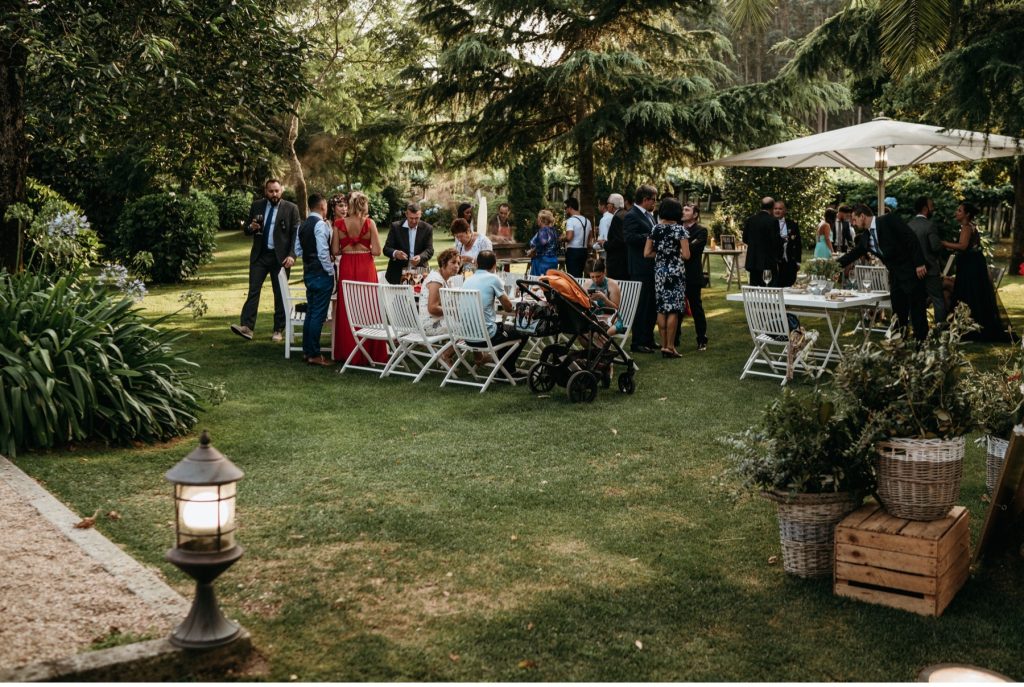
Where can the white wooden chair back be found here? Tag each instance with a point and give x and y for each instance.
(629, 297)
(400, 309)
(765, 309)
(464, 315)
(456, 281)
(380, 277)
(362, 305)
(877, 274)
(290, 297)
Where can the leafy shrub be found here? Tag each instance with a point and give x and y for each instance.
(232, 208)
(178, 231)
(438, 217)
(997, 397)
(78, 361)
(526, 195)
(801, 445)
(379, 211)
(902, 389)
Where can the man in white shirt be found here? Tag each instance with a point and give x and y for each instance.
(492, 289)
(577, 231)
(606, 223)
(313, 245)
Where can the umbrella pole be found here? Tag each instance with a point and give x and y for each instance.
(881, 192)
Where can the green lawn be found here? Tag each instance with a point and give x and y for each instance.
(400, 532)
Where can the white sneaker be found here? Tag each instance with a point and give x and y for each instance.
(278, 337)
(242, 331)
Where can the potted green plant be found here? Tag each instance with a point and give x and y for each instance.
(915, 404)
(802, 455)
(998, 401)
(824, 272)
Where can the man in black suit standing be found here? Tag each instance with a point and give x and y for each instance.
(617, 255)
(790, 249)
(931, 248)
(897, 246)
(760, 233)
(410, 243)
(637, 225)
(272, 225)
(843, 236)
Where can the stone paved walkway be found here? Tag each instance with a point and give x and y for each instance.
(62, 588)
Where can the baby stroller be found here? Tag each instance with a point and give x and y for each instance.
(560, 306)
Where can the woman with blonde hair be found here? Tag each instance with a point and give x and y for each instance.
(544, 245)
(357, 241)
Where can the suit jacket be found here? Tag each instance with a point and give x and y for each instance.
(793, 245)
(616, 254)
(637, 229)
(901, 251)
(931, 244)
(286, 224)
(398, 239)
(761, 234)
(694, 266)
(842, 235)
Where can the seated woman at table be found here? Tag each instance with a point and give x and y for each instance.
(823, 242)
(544, 245)
(605, 293)
(468, 244)
(430, 294)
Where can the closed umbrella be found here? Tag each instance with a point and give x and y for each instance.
(877, 145)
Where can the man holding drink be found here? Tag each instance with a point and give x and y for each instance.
(272, 224)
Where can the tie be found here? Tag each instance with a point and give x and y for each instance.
(874, 242)
(650, 217)
(268, 225)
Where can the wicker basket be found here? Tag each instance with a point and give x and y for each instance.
(807, 524)
(919, 479)
(995, 453)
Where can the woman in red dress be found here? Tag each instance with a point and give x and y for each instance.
(355, 238)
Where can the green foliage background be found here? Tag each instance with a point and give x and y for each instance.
(806, 192)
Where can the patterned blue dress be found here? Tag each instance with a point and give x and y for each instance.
(669, 271)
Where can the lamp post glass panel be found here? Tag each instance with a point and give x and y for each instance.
(205, 485)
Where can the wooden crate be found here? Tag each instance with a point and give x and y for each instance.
(907, 564)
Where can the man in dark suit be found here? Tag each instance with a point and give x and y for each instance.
(895, 244)
(272, 225)
(695, 271)
(636, 227)
(931, 248)
(410, 243)
(843, 236)
(760, 233)
(790, 249)
(616, 253)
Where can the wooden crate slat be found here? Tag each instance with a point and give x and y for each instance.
(889, 560)
(869, 574)
(922, 606)
(861, 514)
(886, 542)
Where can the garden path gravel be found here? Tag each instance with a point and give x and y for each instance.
(56, 598)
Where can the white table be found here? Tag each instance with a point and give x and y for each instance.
(821, 307)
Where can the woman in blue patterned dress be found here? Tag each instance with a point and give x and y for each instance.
(544, 245)
(669, 245)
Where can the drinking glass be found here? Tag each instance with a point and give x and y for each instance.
(258, 220)
(866, 284)
(766, 276)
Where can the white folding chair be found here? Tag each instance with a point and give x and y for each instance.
(769, 329)
(415, 346)
(293, 296)
(464, 315)
(878, 276)
(456, 281)
(366, 321)
(629, 297)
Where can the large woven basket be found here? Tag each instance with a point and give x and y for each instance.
(995, 453)
(919, 479)
(807, 524)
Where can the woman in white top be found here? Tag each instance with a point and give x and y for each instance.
(430, 294)
(468, 243)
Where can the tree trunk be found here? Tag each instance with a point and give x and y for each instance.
(13, 145)
(1017, 253)
(295, 165)
(588, 187)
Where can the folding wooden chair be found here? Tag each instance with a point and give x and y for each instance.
(415, 346)
(769, 329)
(464, 315)
(366, 321)
(878, 275)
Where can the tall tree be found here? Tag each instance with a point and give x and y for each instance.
(582, 79)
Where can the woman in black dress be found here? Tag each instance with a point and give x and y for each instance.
(973, 284)
(669, 245)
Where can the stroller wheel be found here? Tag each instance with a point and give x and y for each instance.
(540, 379)
(553, 353)
(627, 384)
(582, 387)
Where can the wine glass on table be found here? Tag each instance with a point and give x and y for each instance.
(866, 285)
(766, 277)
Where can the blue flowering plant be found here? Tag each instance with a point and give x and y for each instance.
(59, 238)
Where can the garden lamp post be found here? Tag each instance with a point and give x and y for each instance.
(204, 503)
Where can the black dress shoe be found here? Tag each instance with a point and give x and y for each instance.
(641, 349)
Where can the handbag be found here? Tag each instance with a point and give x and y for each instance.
(536, 319)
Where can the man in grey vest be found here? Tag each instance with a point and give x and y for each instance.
(313, 245)
(931, 246)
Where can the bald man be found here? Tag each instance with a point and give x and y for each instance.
(761, 234)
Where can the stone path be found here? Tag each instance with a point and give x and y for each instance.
(61, 588)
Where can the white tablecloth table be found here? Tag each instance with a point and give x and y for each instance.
(834, 313)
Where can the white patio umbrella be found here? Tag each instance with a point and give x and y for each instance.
(879, 144)
(481, 214)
